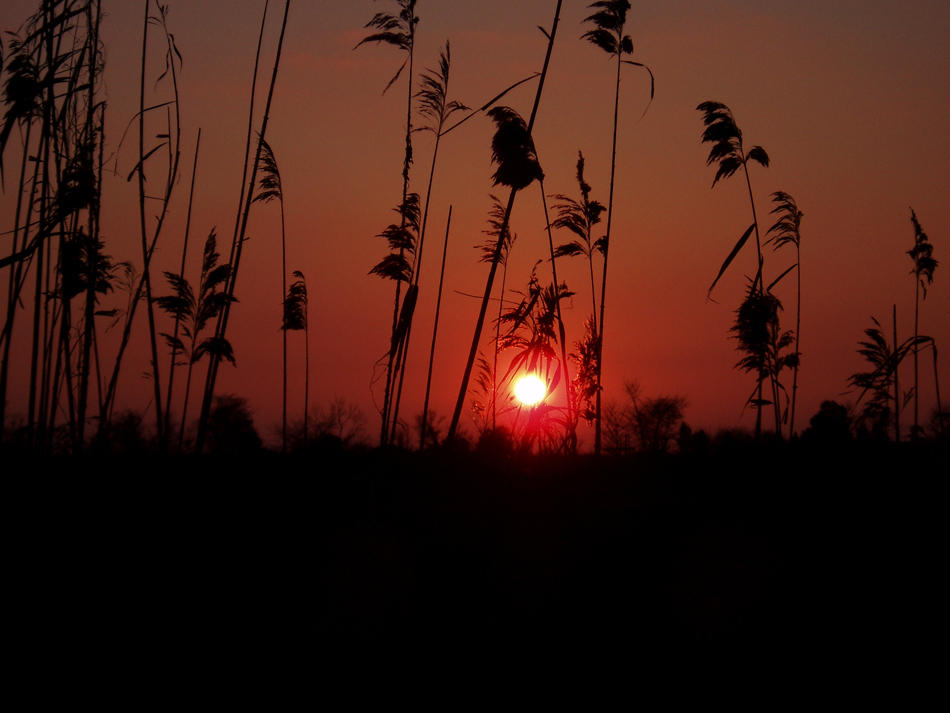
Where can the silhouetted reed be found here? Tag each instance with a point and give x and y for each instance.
(193, 312)
(184, 254)
(52, 93)
(787, 231)
(880, 382)
(400, 32)
(240, 229)
(728, 153)
(579, 218)
(923, 272)
(296, 303)
(434, 106)
(271, 189)
(608, 35)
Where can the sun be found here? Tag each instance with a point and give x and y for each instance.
(530, 390)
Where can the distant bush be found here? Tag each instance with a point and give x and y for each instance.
(691, 442)
(940, 423)
(340, 425)
(496, 442)
(831, 426)
(123, 435)
(231, 427)
(648, 423)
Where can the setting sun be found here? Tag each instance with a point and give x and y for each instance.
(530, 390)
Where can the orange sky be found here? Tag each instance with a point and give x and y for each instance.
(848, 98)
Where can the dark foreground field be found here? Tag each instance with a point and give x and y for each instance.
(778, 554)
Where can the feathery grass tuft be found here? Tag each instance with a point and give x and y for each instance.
(726, 139)
(269, 182)
(579, 218)
(922, 255)
(295, 304)
(923, 272)
(195, 311)
(879, 380)
(402, 242)
(398, 31)
(787, 231)
(433, 95)
(758, 332)
(586, 358)
(789, 222)
(496, 222)
(513, 150)
(609, 21)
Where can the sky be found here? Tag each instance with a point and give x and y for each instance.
(848, 98)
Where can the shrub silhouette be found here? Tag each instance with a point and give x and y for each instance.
(831, 426)
(123, 435)
(650, 422)
(496, 443)
(231, 427)
(340, 422)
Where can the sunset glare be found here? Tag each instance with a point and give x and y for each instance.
(530, 390)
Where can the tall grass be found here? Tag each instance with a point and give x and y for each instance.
(579, 218)
(170, 140)
(184, 254)
(296, 303)
(497, 228)
(240, 228)
(608, 34)
(880, 383)
(730, 155)
(758, 332)
(436, 108)
(193, 312)
(787, 231)
(51, 93)
(400, 32)
(923, 272)
(423, 429)
(271, 188)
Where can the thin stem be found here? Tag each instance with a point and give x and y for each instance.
(212, 372)
(435, 332)
(897, 390)
(283, 292)
(610, 215)
(568, 391)
(394, 362)
(761, 285)
(184, 254)
(306, 388)
(416, 271)
(146, 253)
(941, 416)
(798, 328)
(916, 324)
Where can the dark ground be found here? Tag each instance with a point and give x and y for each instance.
(777, 554)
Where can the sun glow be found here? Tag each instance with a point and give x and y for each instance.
(530, 390)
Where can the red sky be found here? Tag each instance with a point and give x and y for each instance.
(848, 98)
